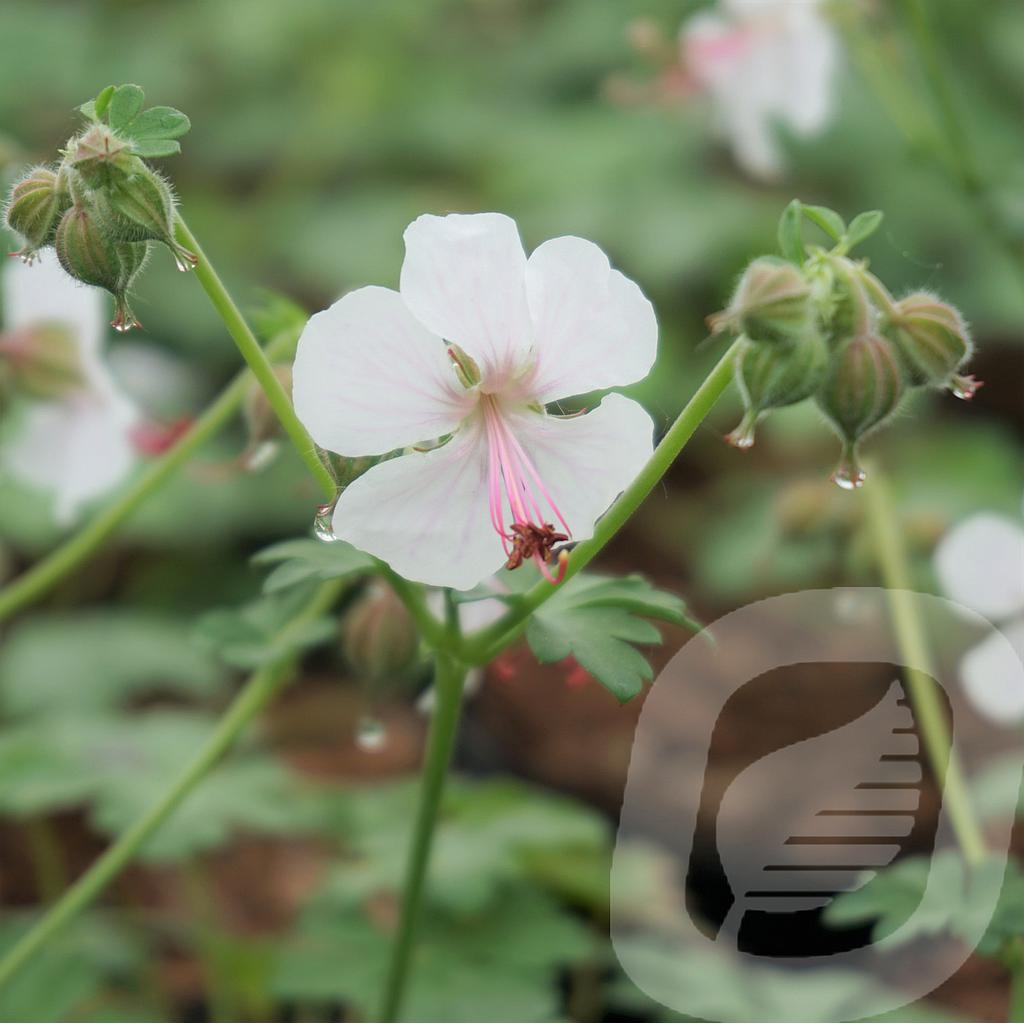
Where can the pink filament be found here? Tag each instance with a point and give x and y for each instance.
(512, 477)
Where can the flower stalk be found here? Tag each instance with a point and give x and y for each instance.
(450, 678)
(255, 357)
(891, 553)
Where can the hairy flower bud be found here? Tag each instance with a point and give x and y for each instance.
(379, 635)
(934, 342)
(140, 207)
(862, 389)
(772, 303)
(772, 376)
(34, 208)
(86, 251)
(42, 361)
(847, 308)
(101, 158)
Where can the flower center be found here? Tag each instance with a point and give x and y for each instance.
(514, 482)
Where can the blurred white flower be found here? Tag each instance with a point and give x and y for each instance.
(372, 375)
(980, 564)
(764, 63)
(78, 445)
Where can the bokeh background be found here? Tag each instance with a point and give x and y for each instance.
(320, 130)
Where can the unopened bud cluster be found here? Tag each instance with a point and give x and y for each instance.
(103, 207)
(820, 325)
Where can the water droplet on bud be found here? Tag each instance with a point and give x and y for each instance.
(371, 734)
(965, 388)
(323, 522)
(849, 475)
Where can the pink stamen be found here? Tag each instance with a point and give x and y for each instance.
(513, 481)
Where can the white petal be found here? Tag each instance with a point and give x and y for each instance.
(806, 55)
(75, 450)
(587, 461)
(43, 293)
(980, 564)
(369, 378)
(464, 277)
(593, 328)
(426, 514)
(993, 674)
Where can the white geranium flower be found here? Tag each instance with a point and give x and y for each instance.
(980, 564)
(764, 63)
(79, 445)
(372, 374)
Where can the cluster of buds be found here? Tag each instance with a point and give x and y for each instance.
(817, 324)
(103, 207)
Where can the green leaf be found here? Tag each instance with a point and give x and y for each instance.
(82, 964)
(593, 619)
(133, 758)
(302, 560)
(863, 226)
(791, 242)
(125, 103)
(102, 102)
(497, 966)
(251, 636)
(158, 123)
(828, 220)
(62, 662)
(150, 148)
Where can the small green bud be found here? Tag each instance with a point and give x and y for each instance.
(772, 303)
(847, 309)
(773, 376)
(101, 158)
(86, 251)
(934, 342)
(379, 635)
(42, 361)
(862, 389)
(140, 207)
(34, 208)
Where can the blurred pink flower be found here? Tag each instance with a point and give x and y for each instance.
(510, 480)
(79, 445)
(764, 63)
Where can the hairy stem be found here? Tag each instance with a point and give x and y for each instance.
(450, 677)
(481, 647)
(891, 552)
(63, 560)
(261, 687)
(256, 359)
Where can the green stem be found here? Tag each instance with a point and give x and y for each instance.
(48, 572)
(891, 552)
(48, 866)
(256, 359)
(449, 680)
(261, 687)
(481, 647)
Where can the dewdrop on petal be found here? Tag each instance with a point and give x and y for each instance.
(863, 387)
(772, 303)
(36, 204)
(934, 342)
(773, 376)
